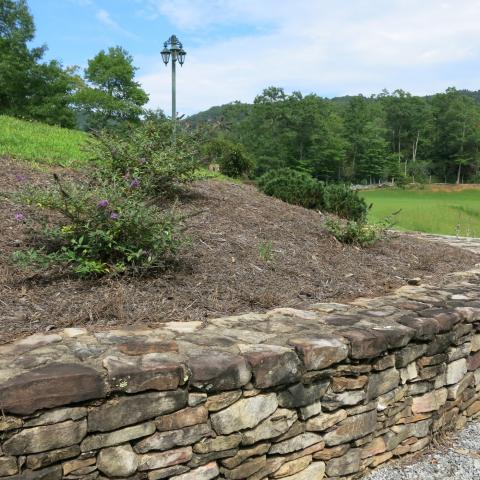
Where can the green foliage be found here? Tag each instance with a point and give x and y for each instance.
(354, 232)
(28, 87)
(265, 251)
(106, 228)
(357, 139)
(300, 188)
(146, 158)
(292, 186)
(112, 96)
(231, 157)
(345, 202)
(40, 143)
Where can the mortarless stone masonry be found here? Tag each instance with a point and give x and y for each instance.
(329, 392)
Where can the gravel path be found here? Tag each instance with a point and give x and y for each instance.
(459, 460)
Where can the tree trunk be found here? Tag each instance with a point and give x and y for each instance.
(459, 172)
(399, 147)
(415, 147)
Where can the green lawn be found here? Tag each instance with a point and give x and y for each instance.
(39, 143)
(447, 212)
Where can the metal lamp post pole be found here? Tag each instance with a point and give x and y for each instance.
(177, 53)
(174, 97)
(174, 90)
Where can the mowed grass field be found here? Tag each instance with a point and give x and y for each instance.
(41, 144)
(445, 209)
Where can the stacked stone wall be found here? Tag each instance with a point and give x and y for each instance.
(329, 392)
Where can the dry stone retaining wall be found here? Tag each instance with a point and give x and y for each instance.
(326, 393)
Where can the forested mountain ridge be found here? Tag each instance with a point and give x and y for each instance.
(357, 138)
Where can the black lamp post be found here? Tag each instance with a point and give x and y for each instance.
(173, 48)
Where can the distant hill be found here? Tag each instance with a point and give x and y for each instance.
(235, 111)
(229, 113)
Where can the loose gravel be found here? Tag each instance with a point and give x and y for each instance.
(459, 460)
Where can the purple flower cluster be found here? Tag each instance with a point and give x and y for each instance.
(19, 217)
(135, 183)
(112, 214)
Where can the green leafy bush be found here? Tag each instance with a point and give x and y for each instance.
(345, 202)
(101, 229)
(292, 186)
(147, 157)
(232, 158)
(354, 232)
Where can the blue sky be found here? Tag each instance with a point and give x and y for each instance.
(235, 48)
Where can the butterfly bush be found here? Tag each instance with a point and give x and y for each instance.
(113, 220)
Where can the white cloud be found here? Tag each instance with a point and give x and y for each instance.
(329, 47)
(105, 18)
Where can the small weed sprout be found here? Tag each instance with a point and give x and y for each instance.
(265, 250)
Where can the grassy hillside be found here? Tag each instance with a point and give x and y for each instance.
(39, 143)
(432, 210)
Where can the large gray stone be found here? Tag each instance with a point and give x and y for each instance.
(245, 413)
(158, 460)
(352, 428)
(408, 354)
(168, 472)
(56, 416)
(118, 461)
(175, 438)
(315, 471)
(222, 400)
(219, 443)
(183, 418)
(300, 395)
(49, 437)
(8, 466)
(320, 352)
(205, 472)
(456, 371)
(344, 465)
(333, 401)
(272, 365)
(215, 371)
(364, 342)
(102, 440)
(274, 426)
(246, 469)
(299, 442)
(49, 473)
(293, 466)
(41, 460)
(124, 411)
(325, 420)
(152, 372)
(244, 454)
(382, 382)
(50, 386)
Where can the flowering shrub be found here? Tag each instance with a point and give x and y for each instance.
(106, 228)
(147, 158)
(355, 232)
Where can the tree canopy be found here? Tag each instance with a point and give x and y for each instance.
(358, 139)
(111, 95)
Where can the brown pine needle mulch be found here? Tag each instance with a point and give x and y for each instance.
(248, 252)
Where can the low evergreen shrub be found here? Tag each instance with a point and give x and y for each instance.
(344, 202)
(292, 186)
(232, 158)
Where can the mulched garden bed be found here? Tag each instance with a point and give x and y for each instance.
(248, 252)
